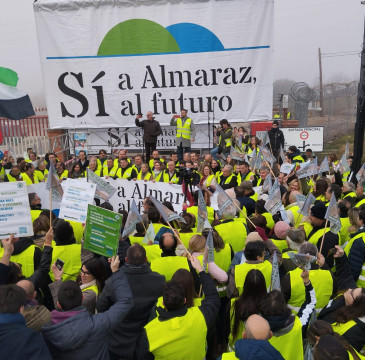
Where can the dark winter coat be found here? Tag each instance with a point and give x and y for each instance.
(276, 137)
(151, 130)
(146, 286)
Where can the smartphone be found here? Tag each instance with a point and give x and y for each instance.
(59, 264)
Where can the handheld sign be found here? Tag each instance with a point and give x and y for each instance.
(15, 210)
(102, 231)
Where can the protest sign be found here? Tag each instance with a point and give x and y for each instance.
(275, 277)
(308, 169)
(202, 213)
(287, 168)
(208, 256)
(102, 231)
(324, 166)
(133, 219)
(150, 234)
(15, 210)
(103, 189)
(76, 198)
(333, 216)
(273, 202)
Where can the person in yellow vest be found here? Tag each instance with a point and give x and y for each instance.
(320, 276)
(126, 171)
(92, 278)
(348, 190)
(360, 199)
(14, 174)
(208, 180)
(194, 157)
(158, 170)
(254, 258)
(66, 250)
(110, 170)
(227, 179)
(51, 158)
(168, 263)
(155, 156)
(173, 157)
(35, 205)
(292, 209)
(356, 251)
(255, 342)
(21, 265)
(259, 181)
(246, 196)
(294, 155)
(145, 173)
(170, 175)
(122, 154)
(40, 171)
(244, 173)
(138, 161)
(225, 134)
(185, 133)
(285, 326)
(61, 171)
(76, 171)
(101, 160)
(232, 232)
(194, 209)
(179, 332)
(32, 158)
(28, 175)
(346, 311)
(93, 166)
(294, 239)
(187, 229)
(316, 217)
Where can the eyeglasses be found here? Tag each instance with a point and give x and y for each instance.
(352, 295)
(85, 272)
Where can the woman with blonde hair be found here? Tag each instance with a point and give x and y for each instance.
(145, 173)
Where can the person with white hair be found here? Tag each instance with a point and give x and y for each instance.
(226, 179)
(348, 190)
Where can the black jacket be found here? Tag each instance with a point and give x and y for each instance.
(146, 286)
(276, 137)
(209, 308)
(357, 255)
(151, 130)
(232, 184)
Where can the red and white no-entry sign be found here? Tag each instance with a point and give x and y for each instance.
(304, 135)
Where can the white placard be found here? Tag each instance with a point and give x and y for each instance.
(287, 168)
(76, 198)
(304, 138)
(15, 210)
(105, 61)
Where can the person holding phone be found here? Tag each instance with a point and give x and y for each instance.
(151, 130)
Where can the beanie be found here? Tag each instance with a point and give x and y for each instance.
(319, 210)
(280, 229)
(275, 122)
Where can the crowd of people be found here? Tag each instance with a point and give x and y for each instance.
(163, 298)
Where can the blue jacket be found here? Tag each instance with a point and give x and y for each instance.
(19, 342)
(85, 336)
(250, 349)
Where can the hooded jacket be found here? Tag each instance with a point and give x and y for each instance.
(80, 335)
(276, 137)
(251, 349)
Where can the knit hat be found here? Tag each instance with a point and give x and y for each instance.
(246, 185)
(253, 236)
(275, 122)
(280, 229)
(296, 235)
(319, 210)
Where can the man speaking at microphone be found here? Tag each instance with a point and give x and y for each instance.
(151, 130)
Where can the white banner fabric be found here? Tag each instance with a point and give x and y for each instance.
(304, 138)
(15, 210)
(105, 61)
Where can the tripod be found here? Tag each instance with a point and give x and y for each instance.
(209, 133)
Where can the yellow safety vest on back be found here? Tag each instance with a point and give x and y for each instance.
(153, 252)
(229, 356)
(280, 244)
(34, 214)
(222, 258)
(344, 234)
(361, 280)
(181, 337)
(197, 302)
(25, 258)
(194, 210)
(322, 283)
(290, 345)
(361, 202)
(71, 256)
(185, 238)
(296, 214)
(233, 233)
(341, 328)
(168, 265)
(270, 223)
(183, 131)
(307, 227)
(240, 273)
(254, 197)
(351, 194)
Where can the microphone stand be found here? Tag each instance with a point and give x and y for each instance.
(213, 125)
(209, 130)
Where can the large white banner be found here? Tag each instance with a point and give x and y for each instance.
(127, 191)
(103, 62)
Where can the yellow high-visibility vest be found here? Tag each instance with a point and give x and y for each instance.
(183, 131)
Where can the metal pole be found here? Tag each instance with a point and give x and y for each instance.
(320, 82)
(360, 116)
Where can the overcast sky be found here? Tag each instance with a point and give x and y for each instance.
(301, 27)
